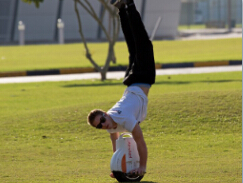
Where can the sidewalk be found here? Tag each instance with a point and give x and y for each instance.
(117, 68)
(193, 34)
(118, 74)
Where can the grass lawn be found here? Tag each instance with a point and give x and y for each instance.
(192, 130)
(37, 57)
(193, 26)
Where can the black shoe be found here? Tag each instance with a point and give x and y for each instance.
(129, 2)
(118, 3)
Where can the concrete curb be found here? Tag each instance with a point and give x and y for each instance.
(117, 68)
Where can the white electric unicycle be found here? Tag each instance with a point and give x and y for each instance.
(125, 159)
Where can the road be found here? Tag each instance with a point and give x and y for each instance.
(116, 75)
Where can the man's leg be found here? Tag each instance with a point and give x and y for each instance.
(143, 68)
(125, 25)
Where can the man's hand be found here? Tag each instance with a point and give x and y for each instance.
(142, 150)
(139, 171)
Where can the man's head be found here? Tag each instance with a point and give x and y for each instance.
(100, 120)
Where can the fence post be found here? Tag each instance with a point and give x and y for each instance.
(60, 26)
(21, 28)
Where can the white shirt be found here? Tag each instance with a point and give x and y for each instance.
(131, 109)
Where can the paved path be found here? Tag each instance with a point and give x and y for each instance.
(117, 75)
(192, 34)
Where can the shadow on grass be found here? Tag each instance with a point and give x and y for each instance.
(168, 82)
(108, 82)
(189, 82)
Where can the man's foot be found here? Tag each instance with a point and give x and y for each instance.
(129, 2)
(121, 3)
(118, 3)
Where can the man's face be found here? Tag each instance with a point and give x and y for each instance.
(103, 121)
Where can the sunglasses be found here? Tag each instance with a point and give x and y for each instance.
(102, 120)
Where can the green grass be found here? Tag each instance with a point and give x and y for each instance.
(37, 57)
(192, 130)
(193, 26)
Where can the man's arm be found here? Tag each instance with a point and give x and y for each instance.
(113, 137)
(142, 149)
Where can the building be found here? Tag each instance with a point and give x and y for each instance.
(211, 11)
(41, 24)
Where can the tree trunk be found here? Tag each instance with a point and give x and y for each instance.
(103, 75)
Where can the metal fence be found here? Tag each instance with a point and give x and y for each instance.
(211, 13)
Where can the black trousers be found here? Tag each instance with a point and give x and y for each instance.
(141, 67)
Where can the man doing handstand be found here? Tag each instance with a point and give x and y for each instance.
(131, 110)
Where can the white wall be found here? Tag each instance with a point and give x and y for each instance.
(69, 17)
(169, 11)
(39, 22)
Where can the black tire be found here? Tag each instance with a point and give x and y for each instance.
(124, 177)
